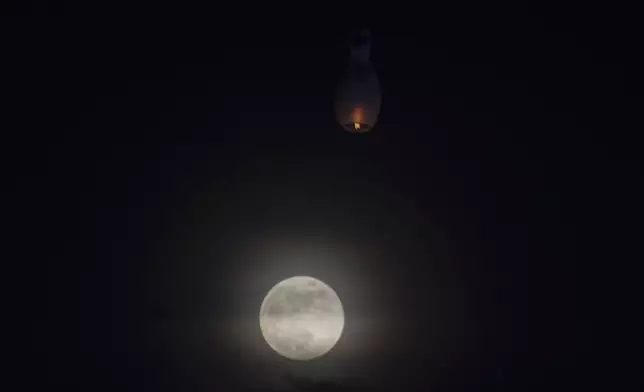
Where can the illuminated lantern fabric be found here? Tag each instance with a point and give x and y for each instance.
(358, 97)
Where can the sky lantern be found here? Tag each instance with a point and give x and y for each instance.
(358, 97)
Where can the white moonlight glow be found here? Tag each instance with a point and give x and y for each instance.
(301, 318)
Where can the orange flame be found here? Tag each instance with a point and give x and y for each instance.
(358, 116)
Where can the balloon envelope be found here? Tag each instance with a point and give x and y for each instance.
(358, 99)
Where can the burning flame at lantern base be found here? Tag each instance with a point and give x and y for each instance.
(357, 124)
(357, 127)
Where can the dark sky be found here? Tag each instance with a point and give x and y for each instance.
(173, 171)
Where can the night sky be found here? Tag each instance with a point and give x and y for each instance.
(173, 171)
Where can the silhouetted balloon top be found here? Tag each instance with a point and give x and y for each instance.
(358, 99)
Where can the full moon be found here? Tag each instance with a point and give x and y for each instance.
(301, 318)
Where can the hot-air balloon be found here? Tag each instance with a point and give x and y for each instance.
(358, 99)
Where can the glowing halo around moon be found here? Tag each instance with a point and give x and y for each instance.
(301, 318)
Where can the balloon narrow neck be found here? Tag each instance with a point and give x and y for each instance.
(361, 53)
(360, 45)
